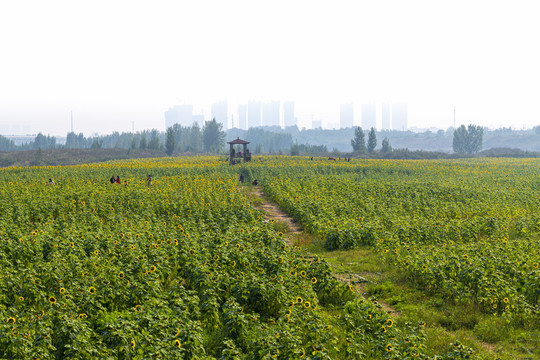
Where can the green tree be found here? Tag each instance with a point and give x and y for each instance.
(213, 136)
(386, 148)
(97, 143)
(154, 140)
(195, 138)
(372, 140)
(468, 140)
(358, 142)
(170, 143)
(143, 143)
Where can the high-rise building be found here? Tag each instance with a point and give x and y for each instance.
(385, 116)
(346, 115)
(288, 114)
(179, 114)
(220, 113)
(242, 116)
(369, 116)
(254, 113)
(399, 116)
(270, 114)
(316, 124)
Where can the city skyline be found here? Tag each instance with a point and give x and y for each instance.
(143, 59)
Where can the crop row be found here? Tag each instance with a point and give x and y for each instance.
(184, 268)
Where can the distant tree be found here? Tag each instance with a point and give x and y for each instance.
(468, 140)
(170, 143)
(6, 144)
(195, 138)
(358, 142)
(97, 143)
(386, 148)
(372, 141)
(143, 144)
(40, 142)
(154, 140)
(74, 141)
(213, 136)
(537, 129)
(133, 143)
(295, 150)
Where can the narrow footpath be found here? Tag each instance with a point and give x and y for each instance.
(295, 231)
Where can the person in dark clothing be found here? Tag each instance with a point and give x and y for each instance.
(241, 178)
(255, 182)
(113, 180)
(118, 179)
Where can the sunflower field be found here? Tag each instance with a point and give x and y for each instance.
(187, 267)
(467, 229)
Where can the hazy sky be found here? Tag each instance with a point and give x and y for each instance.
(114, 62)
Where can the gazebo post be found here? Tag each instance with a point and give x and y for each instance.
(232, 154)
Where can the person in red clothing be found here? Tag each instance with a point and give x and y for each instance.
(255, 182)
(118, 179)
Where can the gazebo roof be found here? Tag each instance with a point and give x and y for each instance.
(238, 141)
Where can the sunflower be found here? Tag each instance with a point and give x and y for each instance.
(302, 273)
(388, 347)
(133, 344)
(177, 343)
(82, 316)
(191, 252)
(121, 275)
(314, 280)
(62, 290)
(389, 322)
(11, 320)
(52, 300)
(505, 299)
(92, 290)
(307, 305)
(299, 300)
(138, 308)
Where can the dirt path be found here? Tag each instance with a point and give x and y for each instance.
(273, 212)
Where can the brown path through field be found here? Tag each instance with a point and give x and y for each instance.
(273, 212)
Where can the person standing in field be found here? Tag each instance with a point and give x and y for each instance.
(51, 182)
(149, 179)
(113, 180)
(118, 179)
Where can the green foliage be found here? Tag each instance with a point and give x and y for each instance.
(468, 140)
(44, 142)
(154, 142)
(7, 144)
(358, 142)
(170, 143)
(372, 141)
(213, 136)
(386, 148)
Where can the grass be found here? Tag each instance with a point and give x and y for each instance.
(491, 336)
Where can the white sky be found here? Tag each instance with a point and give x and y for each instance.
(114, 62)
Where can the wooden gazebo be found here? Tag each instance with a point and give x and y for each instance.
(236, 157)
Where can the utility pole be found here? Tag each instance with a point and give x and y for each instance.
(72, 121)
(133, 126)
(454, 117)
